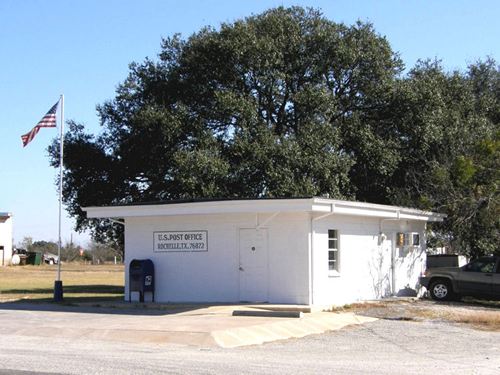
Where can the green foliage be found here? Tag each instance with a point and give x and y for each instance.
(69, 252)
(472, 199)
(450, 156)
(26, 243)
(287, 104)
(44, 247)
(100, 253)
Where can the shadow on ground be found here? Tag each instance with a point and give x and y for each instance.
(82, 289)
(100, 305)
(98, 299)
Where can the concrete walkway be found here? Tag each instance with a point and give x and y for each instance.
(184, 325)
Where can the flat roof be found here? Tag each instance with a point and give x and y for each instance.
(260, 205)
(198, 200)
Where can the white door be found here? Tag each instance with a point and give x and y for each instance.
(253, 265)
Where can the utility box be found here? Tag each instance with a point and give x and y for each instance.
(141, 278)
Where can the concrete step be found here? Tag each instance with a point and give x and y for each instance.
(267, 313)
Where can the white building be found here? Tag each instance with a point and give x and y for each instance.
(5, 238)
(311, 251)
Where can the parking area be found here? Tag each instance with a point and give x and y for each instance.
(392, 344)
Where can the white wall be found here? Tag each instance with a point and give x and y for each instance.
(366, 267)
(213, 276)
(6, 241)
(409, 261)
(365, 264)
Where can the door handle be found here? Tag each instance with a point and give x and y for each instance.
(488, 274)
(242, 269)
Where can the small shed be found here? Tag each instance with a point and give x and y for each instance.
(5, 238)
(310, 251)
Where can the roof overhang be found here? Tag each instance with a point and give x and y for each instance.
(314, 205)
(4, 216)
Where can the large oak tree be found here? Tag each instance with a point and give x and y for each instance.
(283, 104)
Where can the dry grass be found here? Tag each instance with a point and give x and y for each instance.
(478, 314)
(487, 320)
(81, 283)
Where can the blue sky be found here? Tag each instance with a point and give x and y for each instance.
(82, 49)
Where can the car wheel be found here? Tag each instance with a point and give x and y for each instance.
(441, 290)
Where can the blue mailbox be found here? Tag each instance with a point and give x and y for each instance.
(141, 278)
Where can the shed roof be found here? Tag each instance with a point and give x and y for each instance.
(4, 216)
(261, 205)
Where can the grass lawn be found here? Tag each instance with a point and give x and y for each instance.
(81, 283)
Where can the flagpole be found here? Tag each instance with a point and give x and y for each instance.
(58, 287)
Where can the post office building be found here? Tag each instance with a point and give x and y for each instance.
(308, 251)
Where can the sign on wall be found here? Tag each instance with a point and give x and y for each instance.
(170, 241)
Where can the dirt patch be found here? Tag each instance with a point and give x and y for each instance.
(478, 314)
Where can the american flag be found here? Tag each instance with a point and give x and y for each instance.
(48, 121)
